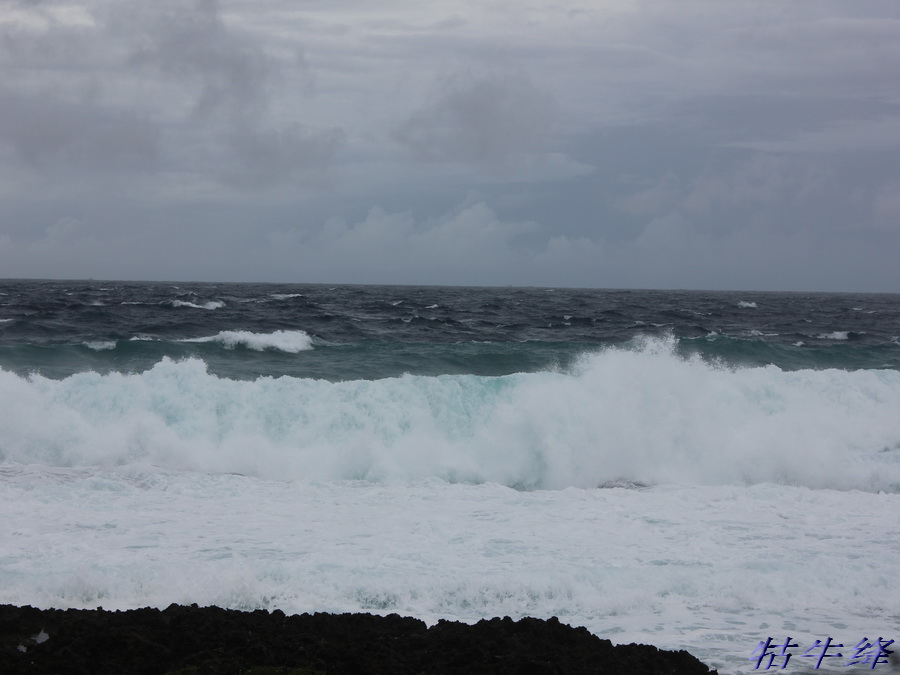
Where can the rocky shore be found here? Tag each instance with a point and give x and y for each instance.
(194, 640)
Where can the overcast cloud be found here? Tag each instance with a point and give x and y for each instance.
(608, 143)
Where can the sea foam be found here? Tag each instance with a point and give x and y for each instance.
(646, 416)
(708, 569)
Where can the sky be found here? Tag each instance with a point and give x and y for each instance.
(698, 144)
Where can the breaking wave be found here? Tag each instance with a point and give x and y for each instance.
(646, 416)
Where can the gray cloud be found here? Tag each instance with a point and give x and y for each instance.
(271, 157)
(190, 43)
(49, 40)
(643, 143)
(491, 120)
(46, 131)
(234, 83)
(169, 87)
(761, 181)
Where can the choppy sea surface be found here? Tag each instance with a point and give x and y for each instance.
(693, 470)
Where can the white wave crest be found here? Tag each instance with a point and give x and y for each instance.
(213, 304)
(100, 345)
(291, 341)
(746, 305)
(836, 335)
(644, 415)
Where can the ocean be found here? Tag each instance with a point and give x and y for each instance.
(693, 470)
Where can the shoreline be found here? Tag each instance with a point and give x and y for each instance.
(193, 640)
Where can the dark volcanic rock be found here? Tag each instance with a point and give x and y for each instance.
(200, 640)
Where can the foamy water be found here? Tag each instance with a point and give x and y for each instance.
(680, 490)
(772, 499)
(709, 569)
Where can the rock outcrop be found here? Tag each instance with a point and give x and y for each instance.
(199, 640)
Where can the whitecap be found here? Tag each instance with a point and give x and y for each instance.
(746, 305)
(100, 345)
(213, 304)
(290, 341)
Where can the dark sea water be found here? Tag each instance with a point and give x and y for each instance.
(57, 328)
(692, 470)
